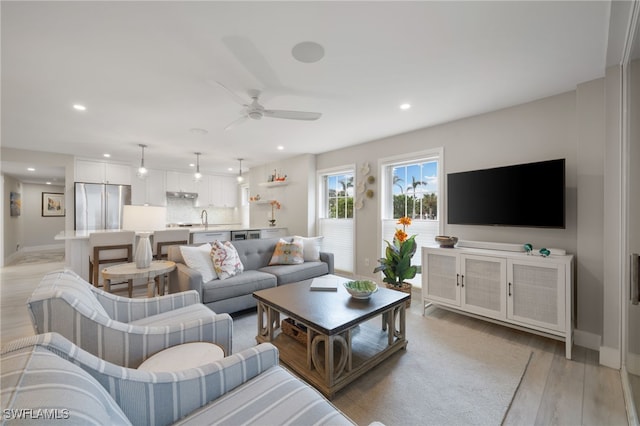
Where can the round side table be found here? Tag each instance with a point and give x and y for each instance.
(128, 271)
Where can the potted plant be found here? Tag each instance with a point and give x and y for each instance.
(396, 265)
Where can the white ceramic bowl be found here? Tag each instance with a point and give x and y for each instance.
(361, 289)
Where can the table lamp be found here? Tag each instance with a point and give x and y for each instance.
(144, 220)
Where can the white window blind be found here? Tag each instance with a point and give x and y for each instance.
(338, 239)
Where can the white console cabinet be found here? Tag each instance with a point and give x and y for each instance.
(528, 292)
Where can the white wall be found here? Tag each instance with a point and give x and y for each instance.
(297, 197)
(38, 231)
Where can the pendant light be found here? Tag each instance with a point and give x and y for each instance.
(197, 175)
(142, 170)
(240, 178)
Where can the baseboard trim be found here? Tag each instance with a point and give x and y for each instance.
(633, 363)
(632, 414)
(43, 247)
(610, 357)
(587, 340)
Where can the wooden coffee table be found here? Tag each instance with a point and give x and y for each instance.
(338, 347)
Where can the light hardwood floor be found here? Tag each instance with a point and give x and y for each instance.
(553, 391)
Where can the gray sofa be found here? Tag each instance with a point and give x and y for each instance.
(235, 293)
(46, 377)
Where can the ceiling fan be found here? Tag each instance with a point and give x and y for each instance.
(255, 111)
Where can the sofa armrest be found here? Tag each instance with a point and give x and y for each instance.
(163, 398)
(184, 278)
(123, 309)
(328, 259)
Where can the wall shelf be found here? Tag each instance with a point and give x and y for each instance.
(273, 184)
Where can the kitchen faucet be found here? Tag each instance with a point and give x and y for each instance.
(204, 217)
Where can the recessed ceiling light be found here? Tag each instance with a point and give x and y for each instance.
(308, 52)
(79, 107)
(106, 155)
(280, 147)
(230, 169)
(48, 183)
(31, 169)
(192, 165)
(405, 107)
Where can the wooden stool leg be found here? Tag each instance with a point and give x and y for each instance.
(96, 275)
(130, 288)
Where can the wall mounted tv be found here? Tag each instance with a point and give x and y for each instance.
(526, 195)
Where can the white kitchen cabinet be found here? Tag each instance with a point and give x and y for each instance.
(150, 190)
(274, 232)
(223, 191)
(91, 171)
(519, 290)
(210, 236)
(180, 182)
(202, 188)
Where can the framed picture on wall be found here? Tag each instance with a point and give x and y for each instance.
(15, 203)
(52, 204)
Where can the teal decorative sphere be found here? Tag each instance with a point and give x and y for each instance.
(528, 247)
(544, 252)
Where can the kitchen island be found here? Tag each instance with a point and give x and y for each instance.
(76, 243)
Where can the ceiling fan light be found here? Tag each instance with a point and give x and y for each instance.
(255, 115)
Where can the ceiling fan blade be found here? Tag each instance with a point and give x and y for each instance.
(291, 115)
(237, 122)
(232, 94)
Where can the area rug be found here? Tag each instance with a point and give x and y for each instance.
(450, 374)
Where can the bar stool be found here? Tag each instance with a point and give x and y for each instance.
(110, 248)
(169, 237)
(162, 240)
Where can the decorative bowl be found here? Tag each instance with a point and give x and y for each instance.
(446, 241)
(361, 289)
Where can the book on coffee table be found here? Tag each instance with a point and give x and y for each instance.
(324, 284)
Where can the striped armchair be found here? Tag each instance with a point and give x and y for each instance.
(49, 374)
(120, 330)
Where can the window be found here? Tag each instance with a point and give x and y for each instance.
(415, 190)
(339, 195)
(336, 215)
(411, 186)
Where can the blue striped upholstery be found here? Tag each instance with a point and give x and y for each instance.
(121, 330)
(273, 398)
(38, 385)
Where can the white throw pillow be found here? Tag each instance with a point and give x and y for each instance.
(311, 247)
(199, 258)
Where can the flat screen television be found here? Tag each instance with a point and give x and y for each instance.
(526, 195)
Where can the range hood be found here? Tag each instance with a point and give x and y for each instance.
(188, 195)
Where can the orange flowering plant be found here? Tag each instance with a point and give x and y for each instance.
(396, 265)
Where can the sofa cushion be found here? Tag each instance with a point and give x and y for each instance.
(245, 283)
(44, 383)
(287, 274)
(275, 397)
(287, 253)
(225, 260)
(199, 258)
(254, 254)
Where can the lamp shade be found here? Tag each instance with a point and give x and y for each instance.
(144, 218)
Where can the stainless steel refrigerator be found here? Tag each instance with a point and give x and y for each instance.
(99, 206)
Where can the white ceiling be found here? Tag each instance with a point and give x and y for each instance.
(146, 72)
